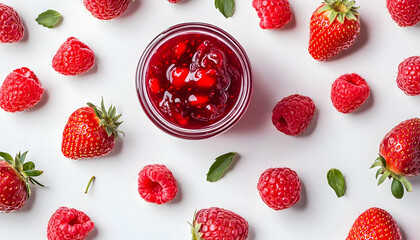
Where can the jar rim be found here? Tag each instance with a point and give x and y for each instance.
(220, 125)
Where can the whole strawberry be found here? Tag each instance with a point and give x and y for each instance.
(375, 224)
(156, 184)
(279, 188)
(408, 78)
(106, 9)
(20, 90)
(273, 13)
(69, 224)
(90, 132)
(399, 156)
(404, 12)
(293, 114)
(11, 27)
(349, 92)
(73, 57)
(15, 175)
(334, 27)
(218, 224)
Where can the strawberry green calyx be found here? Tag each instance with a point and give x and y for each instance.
(340, 10)
(195, 229)
(108, 119)
(25, 170)
(398, 181)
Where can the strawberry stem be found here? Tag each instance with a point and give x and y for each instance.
(90, 181)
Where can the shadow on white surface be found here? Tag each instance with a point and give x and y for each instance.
(365, 106)
(41, 103)
(119, 143)
(31, 201)
(178, 197)
(291, 25)
(303, 202)
(132, 8)
(92, 235)
(251, 233)
(312, 125)
(25, 34)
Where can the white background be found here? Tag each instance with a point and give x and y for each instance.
(281, 66)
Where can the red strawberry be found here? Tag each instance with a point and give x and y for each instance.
(273, 13)
(156, 184)
(399, 156)
(73, 58)
(408, 78)
(349, 92)
(375, 224)
(106, 9)
(404, 12)
(15, 175)
(334, 27)
(20, 90)
(293, 114)
(179, 77)
(205, 78)
(174, 1)
(218, 224)
(11, 27)
(90, 132)
(279, 188)
(69, 224)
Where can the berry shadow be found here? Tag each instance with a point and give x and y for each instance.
(290, 25)
(361, 41)
(403, 235)
(30, 201)
(251, 233)
(132, 8)
(93, 234)
(312, 125)
(178, 197)
(41, 103)
(303, 202)
(366, 105)
(25, 34)
(118, 147)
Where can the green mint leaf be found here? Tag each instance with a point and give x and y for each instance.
(49, 18)
(219, 167)
(226, 7)
(336, 181)
(397, 189)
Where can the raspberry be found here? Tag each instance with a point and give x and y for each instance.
(279, 188)
(20, 90)
(408, 78)
(219, 224)
(156, 184)
(273, 13)
(11, 27)
(174, 1)
(69, 224)
(404, 12)
(293, 114)
(349, 92)
(106, 9)
(73, 57)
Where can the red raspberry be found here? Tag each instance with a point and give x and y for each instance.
(273, 13)
(404, 12)
(219, 224)
(20, 90)
(279, 188)
(11, 27)
(293, 114)
(106, 9)
(69, 224)
(73, 57)
(157, 184)
(408, 78)
(349, 92)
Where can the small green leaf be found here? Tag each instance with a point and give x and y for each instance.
(49, 18)
(28, 166)
(226, 7)
(326, 7)
(397, 189)
(383, 177)
(9, 159)
(406, 184)
(340, 17)
(35, 182)
(219, 166)
(379, 172)
(33, 173)
(22, 157)
(336, 181)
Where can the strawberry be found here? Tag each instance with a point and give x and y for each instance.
(20, 90)
(404, 12)
(174, 1)
(274, 14)
(375, 224)
(349, 92)
(334, 27)
(15, 175)
(106, 9)
(69, 224)
(11, 27)
(399, 156)
(90, 132)
(218, 224)
(293, 114)
(73, 57)
(279, 188)
(179, 77)
(156, 184)
(408, 79)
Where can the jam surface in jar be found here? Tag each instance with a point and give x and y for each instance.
(193, 80)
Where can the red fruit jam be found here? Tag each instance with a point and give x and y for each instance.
(194, 80)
